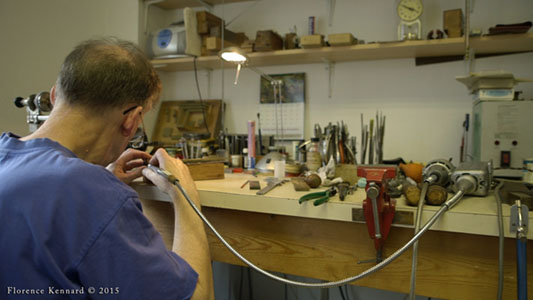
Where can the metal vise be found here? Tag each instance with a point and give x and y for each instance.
(378, 207)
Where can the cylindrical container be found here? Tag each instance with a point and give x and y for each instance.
(246, 158)
(251, 144)
(311, 25)
(296, 151)
(313, 157)
(279, 169)
(236, 160)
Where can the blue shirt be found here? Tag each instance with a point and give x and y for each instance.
(71, 230)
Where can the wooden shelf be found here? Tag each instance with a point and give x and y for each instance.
(176, 4)
(511, 43)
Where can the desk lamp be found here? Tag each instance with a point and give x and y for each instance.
(238, 56)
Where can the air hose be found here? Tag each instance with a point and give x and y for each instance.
(446, 206)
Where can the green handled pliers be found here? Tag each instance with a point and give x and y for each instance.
(318, 197)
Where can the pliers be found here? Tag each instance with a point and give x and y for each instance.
(319, 197)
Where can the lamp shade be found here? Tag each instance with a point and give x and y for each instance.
(233, 54)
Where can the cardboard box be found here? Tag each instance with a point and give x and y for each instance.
(452, 22)
(312, 41)
(341, 39)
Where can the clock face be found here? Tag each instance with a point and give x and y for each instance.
(409, 10)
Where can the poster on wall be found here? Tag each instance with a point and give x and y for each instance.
(282, 112)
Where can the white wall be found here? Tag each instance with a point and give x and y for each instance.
(37, 35)
(425, 106)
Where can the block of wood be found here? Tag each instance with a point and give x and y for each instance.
(268, 40)
(229, 36)
(205, 21)
(205, 170)
(341, 39)
(291, 41)
(248, 46)
(312, 41)
(452, 22)
(214, 44)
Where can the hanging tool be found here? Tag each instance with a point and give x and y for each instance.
(364, 140)
(318, 197)
(259, 136)
(378, 207)
(371, 146)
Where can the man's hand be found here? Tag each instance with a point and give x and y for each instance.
(129, 165)
(174, 166)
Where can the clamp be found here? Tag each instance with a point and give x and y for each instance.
(378, 206)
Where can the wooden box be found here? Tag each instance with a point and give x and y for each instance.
(177, 118)
(213, 44)
(452, 22)
(205, 21)
(236, 38)
(248, 46)
(341, 39)
(205, 170)
(312, 41)
(291, 41)
(268, 40)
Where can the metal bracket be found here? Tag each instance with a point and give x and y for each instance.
(206, 4)
(330, 66)
(517, 220)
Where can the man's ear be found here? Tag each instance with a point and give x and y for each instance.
(53, 95)
(131, 121)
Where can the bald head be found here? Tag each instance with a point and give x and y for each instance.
(107, 73)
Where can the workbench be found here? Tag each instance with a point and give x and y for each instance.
(458, 257)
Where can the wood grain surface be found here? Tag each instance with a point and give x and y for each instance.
(450, 265)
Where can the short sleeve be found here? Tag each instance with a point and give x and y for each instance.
(129, 255)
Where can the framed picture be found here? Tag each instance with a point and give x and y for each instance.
(292, 89)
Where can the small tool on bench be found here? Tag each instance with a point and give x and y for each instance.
(319, 197)
(272, 183)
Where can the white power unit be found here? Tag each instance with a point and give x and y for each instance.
(503, 132)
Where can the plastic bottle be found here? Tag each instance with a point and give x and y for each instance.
(313, 157)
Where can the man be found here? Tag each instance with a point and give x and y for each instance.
(70, 228)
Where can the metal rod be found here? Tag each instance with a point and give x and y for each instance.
(414, 261)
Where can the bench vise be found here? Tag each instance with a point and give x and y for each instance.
(378, 207)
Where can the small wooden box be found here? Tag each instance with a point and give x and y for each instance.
(205, 170)
(268, 40)
(291, 41)
(312, 41)
(248, 46)
(341, 39)
(452, 22)
(214, 43)
(205, 21)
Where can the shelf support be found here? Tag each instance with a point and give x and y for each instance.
(331, 11)
(330, 66)
(206, 4)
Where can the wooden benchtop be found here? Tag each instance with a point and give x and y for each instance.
(473, 215)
